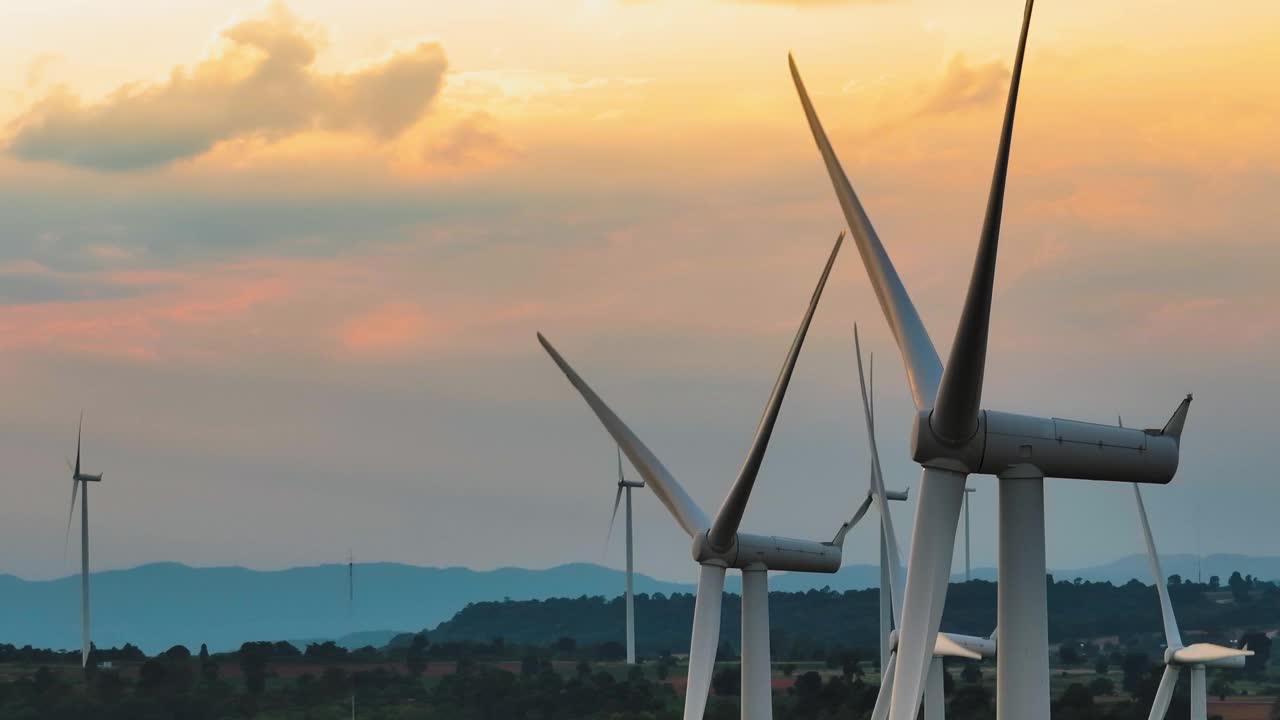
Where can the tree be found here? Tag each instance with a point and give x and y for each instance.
(1102, 686)
(415, 658)
(1214, 582)
(788, 669)
(1076, 697)
(1101, 666)
(1067, 653)
(727, 682)
(1260, 644)
(1221, 687)
(208, 667)
(1134, 666)
(253, 665)
(971, 674)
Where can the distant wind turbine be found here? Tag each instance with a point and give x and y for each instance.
(886, 600)
(719, 545)
(945, 645)
(1197, 656)
(77, 479)
(624, 486)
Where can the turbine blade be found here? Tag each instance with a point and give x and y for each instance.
(845, 528)
(617, 498)
(862, 510)
(682, 507)
(66, 542)
(878, 492)
(725, 525)
(881, 709)
(1164, 694)
(1171, 634)
(706, 636)
(928, 573)
(79, 428)
(1173, 428)
(955, 412)
(918, 354)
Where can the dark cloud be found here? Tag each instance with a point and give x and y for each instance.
(261, 83)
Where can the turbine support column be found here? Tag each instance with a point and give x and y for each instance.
(886, 604)
(757, 688)
(1199, 694)
(1022, 665)
(84, 575)
(935, 700)
(631, 606)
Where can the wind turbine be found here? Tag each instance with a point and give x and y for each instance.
(886, 600)
(718, 544)
(945, 644)
(625, 485)
(952, 437)
(1197, 656)
(77, 479)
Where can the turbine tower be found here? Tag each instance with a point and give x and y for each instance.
(952, 437)
(945, 644)
(77, 480)
(968, 566)
(1197, 656)
(624, 486)
(718, 544)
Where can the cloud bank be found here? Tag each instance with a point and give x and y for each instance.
(262, 82)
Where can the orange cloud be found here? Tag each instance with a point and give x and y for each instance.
(263, 83)
(390, 328)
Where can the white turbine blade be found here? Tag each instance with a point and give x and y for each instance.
(66, 542)
(706, 637)
(682, 507)
(928, 573)
(862, 510)
(617, 498)
(955, 412)
(1164, 694)
(924, 370)
(877, 491)
(1171, 634)
(857, 516)
(881, 709)
(725, 525)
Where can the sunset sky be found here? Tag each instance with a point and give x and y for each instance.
(290, 260)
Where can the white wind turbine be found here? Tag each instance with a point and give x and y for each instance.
(1197, 656)
(945, 645)
(77, 479)
(624, 486)
(952, 437)
(886, 600)
(718, 544)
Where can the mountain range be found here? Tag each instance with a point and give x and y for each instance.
(160, 605)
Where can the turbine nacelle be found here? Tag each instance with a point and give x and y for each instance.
(953, 645)
(769, 552)
(1207, 654)
(85, 477)
(1054, 447)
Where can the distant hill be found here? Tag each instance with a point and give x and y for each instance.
(160, 605)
